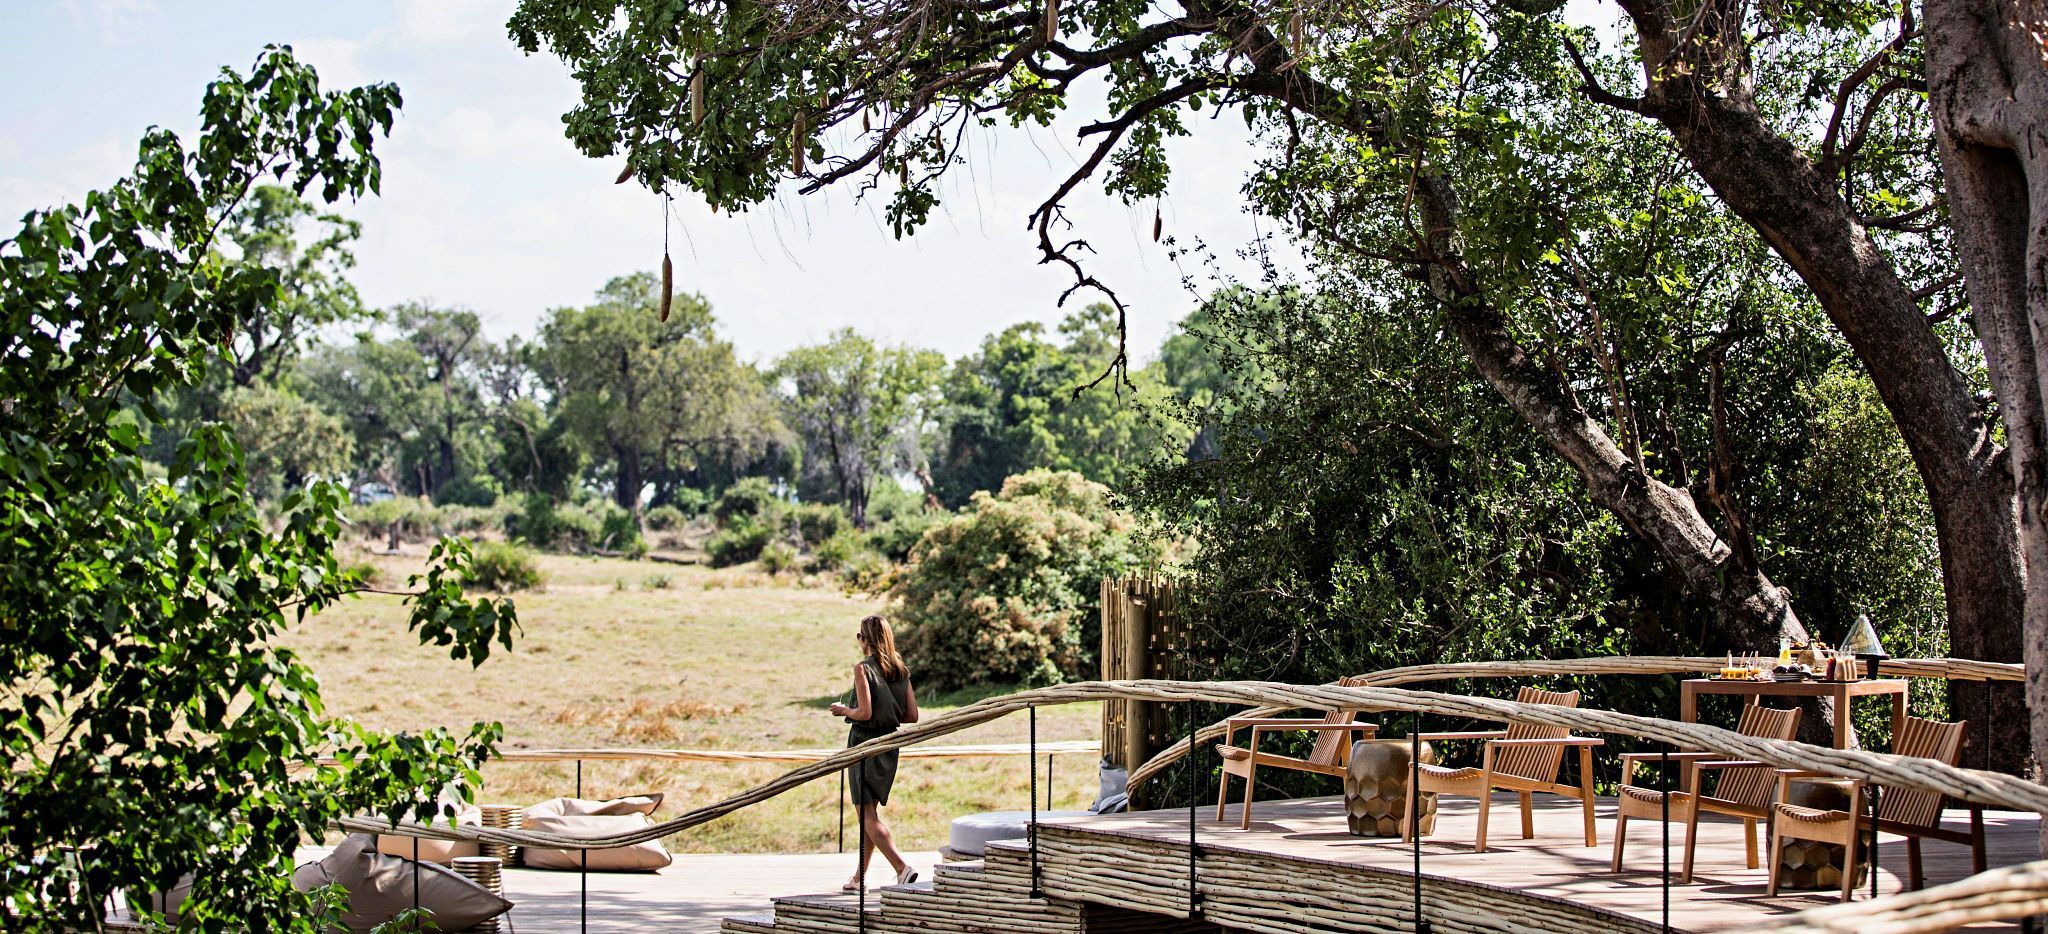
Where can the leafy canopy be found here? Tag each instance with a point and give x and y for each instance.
(149, 726)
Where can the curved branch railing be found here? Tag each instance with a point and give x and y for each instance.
(1949, 669)
(1981, 787)
(2011, 892)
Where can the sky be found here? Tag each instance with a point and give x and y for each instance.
(486, 206)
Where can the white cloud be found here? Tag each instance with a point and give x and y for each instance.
(117, 22)
(339, 61)
(442, 21)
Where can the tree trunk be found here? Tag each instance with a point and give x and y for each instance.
(1795, 204)
(1989, 95)
(1749, 609)
(627, 493)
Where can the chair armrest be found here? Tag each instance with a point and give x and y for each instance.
(1320, 725)
(1587, 741)
(1733, 764)
(1481, 734)
(1674, 756)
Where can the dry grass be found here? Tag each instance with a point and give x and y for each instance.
(729, 659)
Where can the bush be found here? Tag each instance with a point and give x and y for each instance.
(469, 490)
(738, 544)
(501, 566)
(1007, 591)
(545, 525)
(657, 581)
(664, 518)
(751, 499)
(834, 553)
(895, 536)
(408, 517)
(690, 500)
(618, 531)
(818, 522)
(777, 557)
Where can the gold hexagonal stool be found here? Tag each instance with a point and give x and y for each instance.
(1376, 788)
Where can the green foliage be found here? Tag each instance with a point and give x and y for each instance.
(655, 399)
(739, 542)
(469, 490)
(1019, 404)
(777, 557)
(547, 525)
(618, 531)
(145, 708)
(502, 567)
(862, 408)
(752, 499)
(288, 440)
(658, 581)
(837, 552)
(814, 523)
(664, 518)
(1008, 591)
(895, 537)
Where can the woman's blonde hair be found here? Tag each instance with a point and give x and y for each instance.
(881, 643)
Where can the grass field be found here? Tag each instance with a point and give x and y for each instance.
(626, 653)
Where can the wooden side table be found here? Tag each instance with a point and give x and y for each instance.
(1843, 692)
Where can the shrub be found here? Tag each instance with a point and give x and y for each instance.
(400, 518)
(469, 490)
(833, 553)
(777, 557)
(751, 498)
(664, 518)
(818, 522)
(738, 544)
(657, 581)
(690, 500)
(543, 524)
(1007, 591)
(501, 566)
(894, 537)
(618, 531)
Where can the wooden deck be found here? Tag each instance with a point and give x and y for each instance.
(1295, 870)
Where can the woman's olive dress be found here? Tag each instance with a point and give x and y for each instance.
(871, 778)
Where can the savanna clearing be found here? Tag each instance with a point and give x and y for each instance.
(622, 653)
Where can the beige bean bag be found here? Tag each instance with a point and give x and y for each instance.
(436, 851)
(596, 818)
(380, 886)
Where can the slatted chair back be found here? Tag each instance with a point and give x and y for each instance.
(1333, 747)
(1756, 787)
(1535, 762)
(1927, 739)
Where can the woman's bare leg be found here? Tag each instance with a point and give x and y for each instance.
(881, 838)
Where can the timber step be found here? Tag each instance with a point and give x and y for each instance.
(749, 924)
(988, 896)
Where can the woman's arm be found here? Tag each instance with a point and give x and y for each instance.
(863, 704)
(910, 694)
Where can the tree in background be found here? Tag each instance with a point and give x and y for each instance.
(266, 230)
(1447, 146)
(150, 727)
(285, 439)
(646, 396)
(861, 409)
(1008, 591)
(1018, 403)
(450, 345)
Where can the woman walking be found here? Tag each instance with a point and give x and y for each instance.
(882, 700)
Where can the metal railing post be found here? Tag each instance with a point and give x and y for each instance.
(1194, 800)
(860, 784)
(1415, 817)
(1664, 793)
(842, 810)
(1031, 829)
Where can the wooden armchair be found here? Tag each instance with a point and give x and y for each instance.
(1330, 755)
(1744, 790)
(1523, 758)
(1910, 813)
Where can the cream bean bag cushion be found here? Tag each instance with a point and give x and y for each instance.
(584, 818)
(380, 887)
(435, 851)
